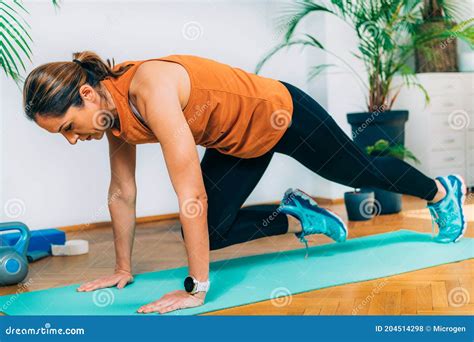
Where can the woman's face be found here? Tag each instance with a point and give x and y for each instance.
(86, 123)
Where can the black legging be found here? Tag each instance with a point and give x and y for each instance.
(316, 141)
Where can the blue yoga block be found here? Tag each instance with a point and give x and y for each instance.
(41, 239)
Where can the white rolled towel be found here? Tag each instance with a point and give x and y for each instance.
(72, 247)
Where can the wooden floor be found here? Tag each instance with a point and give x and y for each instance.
(446, 289)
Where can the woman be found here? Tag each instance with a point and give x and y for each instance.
(242, 119)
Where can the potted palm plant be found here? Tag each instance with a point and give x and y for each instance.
(440, 55)
(15, 38)
(388, 35)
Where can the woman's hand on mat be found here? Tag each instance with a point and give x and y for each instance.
(174, 300)
(119, 279)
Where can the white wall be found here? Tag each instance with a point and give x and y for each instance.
(45, 182)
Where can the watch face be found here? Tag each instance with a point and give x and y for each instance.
(189, 284)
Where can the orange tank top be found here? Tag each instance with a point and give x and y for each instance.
(234, 111)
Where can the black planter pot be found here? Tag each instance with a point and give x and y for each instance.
(360, 206)
(368, 128)
(386, 202)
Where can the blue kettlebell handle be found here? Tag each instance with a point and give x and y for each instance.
(21, 245)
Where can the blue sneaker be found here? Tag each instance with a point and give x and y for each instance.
(448, 213)
(313, 218)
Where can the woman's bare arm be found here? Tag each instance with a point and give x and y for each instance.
(122, 199)
(158, 101)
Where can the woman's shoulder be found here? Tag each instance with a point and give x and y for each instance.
(154, 73)
(148, 76)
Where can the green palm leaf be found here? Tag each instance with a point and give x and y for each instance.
(303, 42)
(15, 38)
(12, 38)
(294, 14)
(318, 69)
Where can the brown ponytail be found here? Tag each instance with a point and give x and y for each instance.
(52, 88)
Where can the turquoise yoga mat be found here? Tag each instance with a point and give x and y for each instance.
(255, 278)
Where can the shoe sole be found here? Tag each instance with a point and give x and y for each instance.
(307, 197)
(461, 202)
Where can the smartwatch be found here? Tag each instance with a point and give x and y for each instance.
(192, 285)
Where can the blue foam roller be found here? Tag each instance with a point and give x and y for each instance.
(41, 239)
